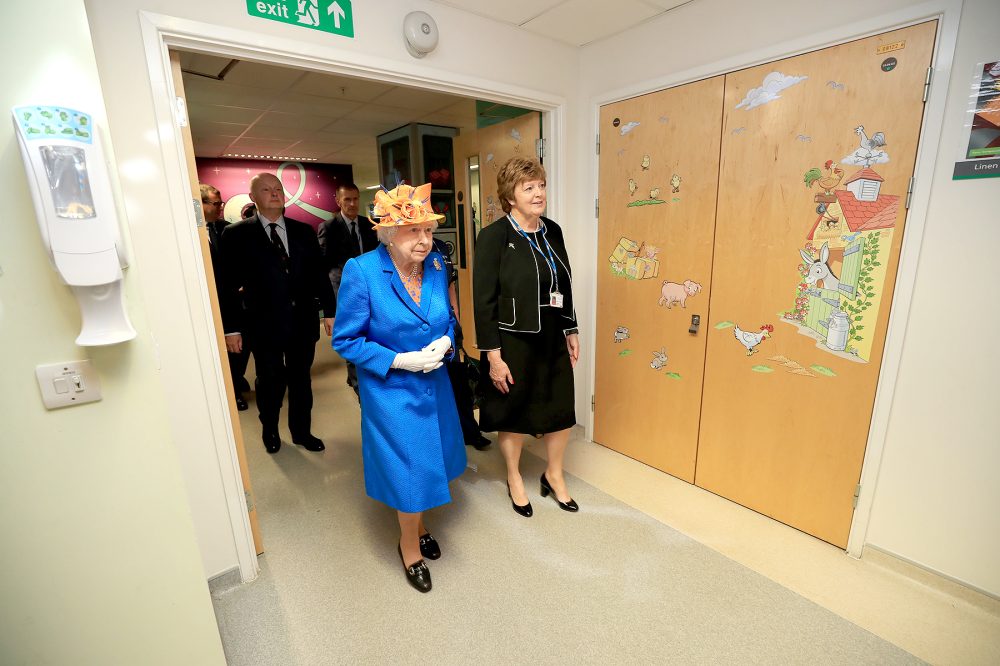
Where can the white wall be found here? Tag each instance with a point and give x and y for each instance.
(937, 496)
(473, 52)
(99, 562)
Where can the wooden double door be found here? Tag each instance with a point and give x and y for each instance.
(749, 232)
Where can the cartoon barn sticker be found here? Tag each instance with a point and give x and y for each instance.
(841, 274)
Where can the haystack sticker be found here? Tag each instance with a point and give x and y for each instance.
(841, 278)
(634, 261)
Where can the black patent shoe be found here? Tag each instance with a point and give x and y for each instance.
(429, 547)
(571, 505)
(418, 575)
(522, 510)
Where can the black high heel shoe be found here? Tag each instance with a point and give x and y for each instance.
(522, 510)
(570, 506)
(417, 573)
(429, 547)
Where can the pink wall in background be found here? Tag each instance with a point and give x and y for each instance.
(310, 188)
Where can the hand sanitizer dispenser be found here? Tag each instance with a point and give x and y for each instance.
(71, 188)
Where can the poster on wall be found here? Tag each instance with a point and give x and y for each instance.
(310, 188)
(980, 156)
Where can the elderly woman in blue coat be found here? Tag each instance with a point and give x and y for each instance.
(395, 323)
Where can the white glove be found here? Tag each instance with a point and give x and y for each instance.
(441, 345)
(418, 361)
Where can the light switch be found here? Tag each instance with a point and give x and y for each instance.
(69, 383)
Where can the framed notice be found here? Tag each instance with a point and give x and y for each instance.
(980, 156)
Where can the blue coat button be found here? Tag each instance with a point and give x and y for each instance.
(424, 327)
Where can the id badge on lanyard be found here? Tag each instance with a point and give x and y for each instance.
(555, 299)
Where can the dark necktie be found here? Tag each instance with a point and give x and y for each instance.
(279, 246)
(355, 238)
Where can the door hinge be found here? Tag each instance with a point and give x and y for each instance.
(182, 116)
(540, 148)
(199, 213)
(598, 144)
(593, 402)
(927, 83)
(857, 494)
(597, 207)
(909, 191)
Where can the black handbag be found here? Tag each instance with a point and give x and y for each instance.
(473, 374)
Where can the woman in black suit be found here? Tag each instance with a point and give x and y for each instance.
(526, 329)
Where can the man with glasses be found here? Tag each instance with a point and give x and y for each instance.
(211, 207)
(345, 236)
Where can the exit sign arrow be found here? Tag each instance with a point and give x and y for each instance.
(338, 13)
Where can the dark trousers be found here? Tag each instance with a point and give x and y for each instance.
(279, 368)
(238, 367)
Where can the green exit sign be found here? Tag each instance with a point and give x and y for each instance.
(333, 16)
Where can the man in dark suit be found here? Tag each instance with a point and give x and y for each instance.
(345, 236)
(211, 207)
(277, 263)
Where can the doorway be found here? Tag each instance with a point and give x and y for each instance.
(212, 373)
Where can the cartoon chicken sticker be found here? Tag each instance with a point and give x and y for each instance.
(751, 340)
(675, 184)
(645, 162)
(654, 193)
(632, 187)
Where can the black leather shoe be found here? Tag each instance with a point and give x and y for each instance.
(522, 510)
(271, 441)
(417, 573)
(565, 506)
(479, 443)
(241, 403)
(429, 547)
(309, 442)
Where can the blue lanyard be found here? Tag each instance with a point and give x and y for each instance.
(550, 260)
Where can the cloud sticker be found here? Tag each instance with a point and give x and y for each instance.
(774, 83)
(628, 127)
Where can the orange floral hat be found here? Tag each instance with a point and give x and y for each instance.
(404, 205)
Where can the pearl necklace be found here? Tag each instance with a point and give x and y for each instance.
(413, 281)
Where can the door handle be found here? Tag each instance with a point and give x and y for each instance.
(695, 324)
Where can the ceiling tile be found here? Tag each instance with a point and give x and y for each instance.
(200, 128)
(199, 113)
(515, 12)
(340, 87)
(315, 148)
(304, 122)
(205, 64)
(578, 22)
(219, 93)
(269, 146)
(668, 4)
(258, 75)
(414, 99)
(319, 106)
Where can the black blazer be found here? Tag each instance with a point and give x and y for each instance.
(278, 307)
(505, 282)
(336, 244)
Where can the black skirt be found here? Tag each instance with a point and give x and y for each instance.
(541, 399)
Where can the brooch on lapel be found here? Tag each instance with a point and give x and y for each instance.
(437, 265)
(510, 245)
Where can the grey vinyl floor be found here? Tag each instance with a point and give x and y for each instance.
(608, 585)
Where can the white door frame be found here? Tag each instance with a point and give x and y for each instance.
(161, 33)
(948, 13)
